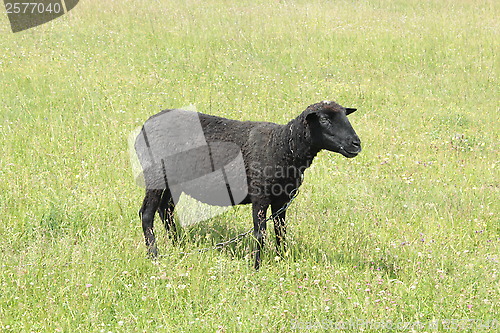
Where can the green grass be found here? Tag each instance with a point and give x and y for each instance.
(406, 232)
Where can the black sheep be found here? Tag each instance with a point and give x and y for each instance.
(238, 162)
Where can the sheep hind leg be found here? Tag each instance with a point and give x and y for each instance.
(259, 229)
(279, 226)
(147, 215)
(166, 212)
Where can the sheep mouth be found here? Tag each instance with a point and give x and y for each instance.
(349, 153)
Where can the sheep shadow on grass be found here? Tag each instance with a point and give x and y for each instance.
(353, 252)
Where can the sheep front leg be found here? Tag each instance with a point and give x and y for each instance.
(279, 226)
(259, 229)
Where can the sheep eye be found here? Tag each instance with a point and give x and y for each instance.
(324, 121)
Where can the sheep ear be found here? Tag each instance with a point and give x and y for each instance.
(348, 111)
(310, 116)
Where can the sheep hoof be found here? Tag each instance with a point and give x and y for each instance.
(153, 253)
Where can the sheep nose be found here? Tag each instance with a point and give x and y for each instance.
(356, 144)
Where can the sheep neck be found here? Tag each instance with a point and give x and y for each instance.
(301, 151)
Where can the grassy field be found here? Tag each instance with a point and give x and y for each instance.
(408, 231)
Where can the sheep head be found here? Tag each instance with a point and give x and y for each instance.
(331, 130)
